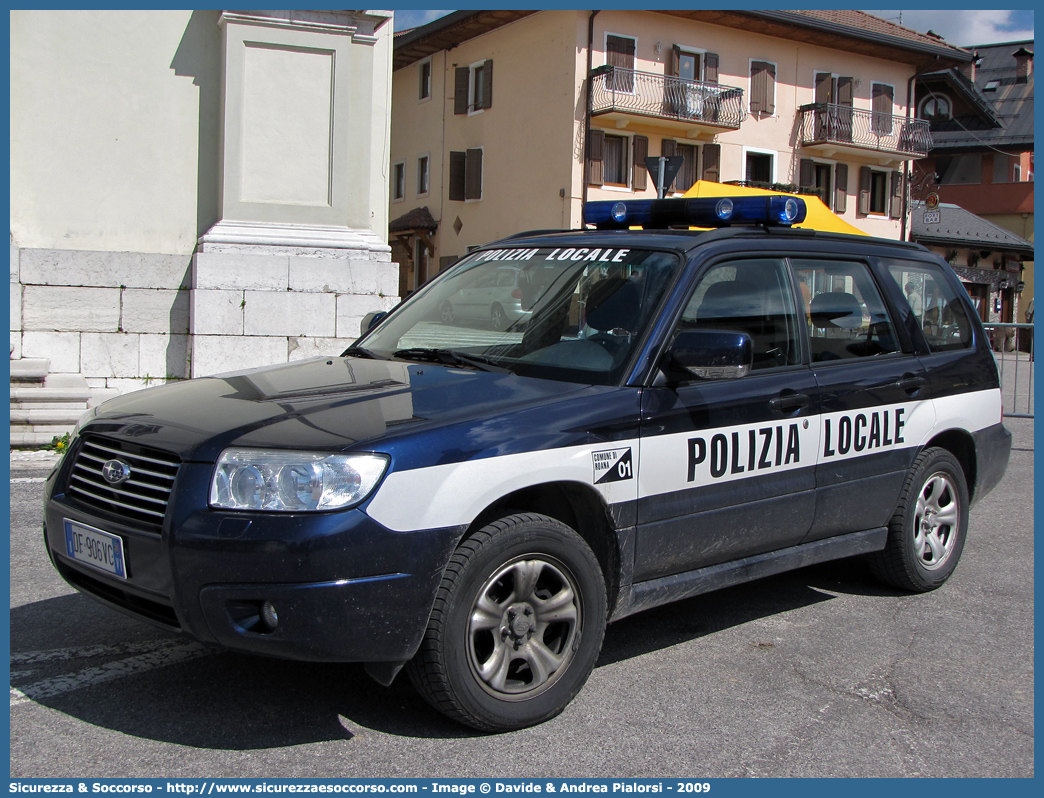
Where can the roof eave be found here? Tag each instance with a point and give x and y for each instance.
(972, 243)
(943, 52)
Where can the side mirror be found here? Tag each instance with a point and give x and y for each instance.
(371, 320)
(712, 354)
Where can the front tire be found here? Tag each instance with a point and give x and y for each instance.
(516, 628)
(927, 533)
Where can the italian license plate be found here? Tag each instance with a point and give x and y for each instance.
(96, 548)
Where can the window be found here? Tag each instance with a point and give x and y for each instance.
(425, 80)
(939, 313)
(935, 108)
(880, 192)
(846, 316)
(834, 121)
(609, 159)
(465, 178)
(619, 54)
(686, 175)
(878, 181)
(753, 297)
(473, 88)
(830, 182)
(760, 167)
(398, 180)
(762, 87)
(616, 160)
(422, 175)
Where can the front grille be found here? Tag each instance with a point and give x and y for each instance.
(142, 498)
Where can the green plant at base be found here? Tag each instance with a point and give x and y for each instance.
(59, 443)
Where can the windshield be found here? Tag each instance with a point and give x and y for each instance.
(574, 314)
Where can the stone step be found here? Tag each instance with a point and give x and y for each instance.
(29, 369)
(67, 382)
(56, 415)
(49, 397)
(48, 429)
(31, 440)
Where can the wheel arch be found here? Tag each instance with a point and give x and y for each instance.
(961, 445)
(576, 505)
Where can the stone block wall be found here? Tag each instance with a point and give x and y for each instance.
(128, 320)
(118, 318)
(250, 307)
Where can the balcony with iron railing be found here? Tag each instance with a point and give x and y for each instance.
(621, 93)
(842, 128)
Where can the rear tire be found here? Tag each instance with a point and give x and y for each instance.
(927, 533)
(516, 627)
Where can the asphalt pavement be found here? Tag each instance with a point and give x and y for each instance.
(819, 672)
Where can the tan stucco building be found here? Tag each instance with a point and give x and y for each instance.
(510, 120)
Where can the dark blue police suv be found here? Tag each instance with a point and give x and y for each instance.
(672, 411)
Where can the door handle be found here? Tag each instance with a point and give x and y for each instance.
(788, 401)
(911, 383)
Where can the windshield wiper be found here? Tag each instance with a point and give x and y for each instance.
(449, 357)
(358, 351)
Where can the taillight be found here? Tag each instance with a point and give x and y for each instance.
(516, 294)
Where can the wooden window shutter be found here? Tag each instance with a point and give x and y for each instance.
(668, 147)
(457, 169)
(711, 161)
(824, 87)
(595, 157)
(864, 189)
(840, 188)
(882, 105)
(486, 101)
(473, 174)
(882, 99)
(674, 66)
(620, 52)
(639, 152)
(710, 67)
(762, 87)
(844, 91)
(806, 173)
(895, 206)
(461, 81)
(770, 88)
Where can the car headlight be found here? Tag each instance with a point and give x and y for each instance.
(284, 481)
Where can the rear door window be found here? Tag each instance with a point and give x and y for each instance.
(847, 318)
(940, 315)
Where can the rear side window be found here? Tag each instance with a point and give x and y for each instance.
(940, 315)
(845, 312)
(754, 297)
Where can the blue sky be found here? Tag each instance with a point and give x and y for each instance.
(960, 26)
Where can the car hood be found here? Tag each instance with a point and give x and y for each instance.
(324, 404)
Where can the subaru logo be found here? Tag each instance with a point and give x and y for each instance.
(116, 472)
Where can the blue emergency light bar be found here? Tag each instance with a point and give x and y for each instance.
(695, 212)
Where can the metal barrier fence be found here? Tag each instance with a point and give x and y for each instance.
(1013, 350)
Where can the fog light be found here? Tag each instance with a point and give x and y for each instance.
(269, 617)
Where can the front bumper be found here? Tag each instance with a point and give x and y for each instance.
(345, 588)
